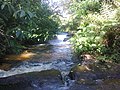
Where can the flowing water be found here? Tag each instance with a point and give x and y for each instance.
(56, 54)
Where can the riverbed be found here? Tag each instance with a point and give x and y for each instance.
(53, 66)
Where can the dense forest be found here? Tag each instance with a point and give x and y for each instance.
(94, 23)
(25, 22)
(96, 28)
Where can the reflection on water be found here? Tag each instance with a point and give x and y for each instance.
(56, 54)
(23, 56)
(61, 37)
(61, 40)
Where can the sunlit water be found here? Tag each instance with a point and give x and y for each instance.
(58, 55)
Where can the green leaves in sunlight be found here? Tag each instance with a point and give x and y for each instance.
(25, 22)
(96, 26)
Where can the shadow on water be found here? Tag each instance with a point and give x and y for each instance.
(56, 54)
(35, 69)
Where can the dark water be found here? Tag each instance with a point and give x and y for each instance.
(57, 54)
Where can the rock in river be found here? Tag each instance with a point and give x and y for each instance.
(43, 80)
(95, 76)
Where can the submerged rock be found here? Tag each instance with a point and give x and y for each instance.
(32, 81)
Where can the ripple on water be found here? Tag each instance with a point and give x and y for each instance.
(55, 55)
(28, 66)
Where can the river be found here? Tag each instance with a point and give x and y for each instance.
(55, 54)
(58, 55)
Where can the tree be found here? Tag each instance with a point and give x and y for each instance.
(96, 27)
(21, 21)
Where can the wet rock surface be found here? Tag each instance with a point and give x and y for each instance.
(95, 76)
(53, 66)
(32, 81)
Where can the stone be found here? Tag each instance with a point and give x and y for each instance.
(32, 81)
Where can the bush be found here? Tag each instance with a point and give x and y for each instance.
(98, 33)
(89, 38)
(24, 21)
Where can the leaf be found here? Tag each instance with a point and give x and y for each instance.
(12, 43)
(30, 14)
(18, 33)
(16, 14)
(10, 9)
(3, 5)
(22, 13)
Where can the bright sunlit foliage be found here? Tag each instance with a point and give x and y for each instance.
(25, 22)
(96, 27)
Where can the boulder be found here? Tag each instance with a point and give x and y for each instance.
(32, 81)
(95, 76)
(90, 73)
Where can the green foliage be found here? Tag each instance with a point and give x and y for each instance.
(89, 37)
(118, 15)
(79, 9)
(97, 29)
(85, 6)
(25, 22)
(112, 43)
